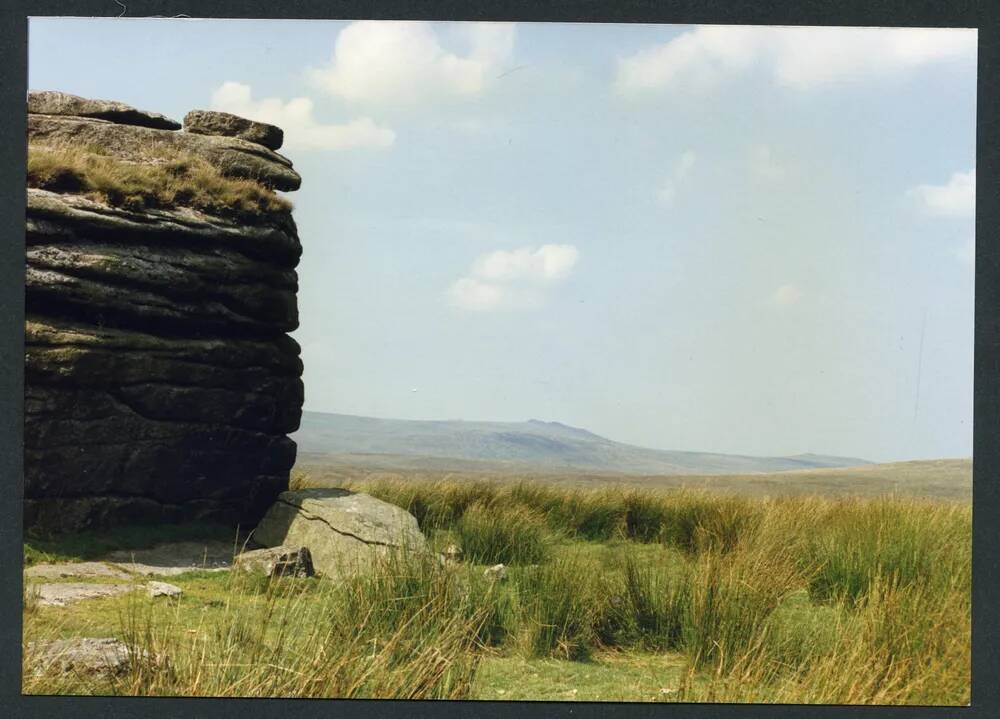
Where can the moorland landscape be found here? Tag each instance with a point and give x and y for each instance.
(259, 465)
(832, 585)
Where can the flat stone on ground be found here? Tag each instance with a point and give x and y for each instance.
(75, 569)
(162, 589)
(83, 655)
(172, 558)
(59, 594)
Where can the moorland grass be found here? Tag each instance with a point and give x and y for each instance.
(404, 631)
(785, 600)
(502, 534)
(176, 179)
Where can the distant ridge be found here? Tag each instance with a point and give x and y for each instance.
(531, 444)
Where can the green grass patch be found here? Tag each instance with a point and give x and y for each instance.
(607, 676)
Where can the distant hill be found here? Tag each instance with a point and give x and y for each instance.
(531, 445)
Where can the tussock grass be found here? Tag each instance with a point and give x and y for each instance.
(405, 631)
(559, 608)
(175, 179)
(910, 542)
(507, 534)
(642, 606)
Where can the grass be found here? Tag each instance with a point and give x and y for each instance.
(607, 676)
(174, 179)
(403, 632)
(492, 534)
(614, 593)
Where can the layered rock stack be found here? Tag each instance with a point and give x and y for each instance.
(160, 380)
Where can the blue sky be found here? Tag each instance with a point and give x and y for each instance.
(734, 239)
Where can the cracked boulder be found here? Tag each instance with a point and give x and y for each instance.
(346, 532)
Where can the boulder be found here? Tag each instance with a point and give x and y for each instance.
(496, 573)
(346, 532)
(83, 655)
(160, 382)
(231, 156)
(50, 102)
(210, 122)
(277, 561)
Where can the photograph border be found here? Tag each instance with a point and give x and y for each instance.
(986, 455)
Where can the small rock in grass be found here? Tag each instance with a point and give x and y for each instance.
(498, 573)
(83, 655)
(282, 560)
(163, 589)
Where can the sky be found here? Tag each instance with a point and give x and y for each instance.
(752, 240)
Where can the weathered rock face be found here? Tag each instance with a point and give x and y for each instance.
(209, 122)
(346, 532)
(61, 103)
(160, 381)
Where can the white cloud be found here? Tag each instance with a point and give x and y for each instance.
(295, 117)
(547, 263)
(955, 198)
(405, 61)
(682, 167)
(798, 57)
(513, 279)
(786, 295)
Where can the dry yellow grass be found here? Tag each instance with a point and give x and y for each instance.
(173, 180)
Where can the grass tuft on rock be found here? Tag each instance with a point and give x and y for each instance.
(174, 179)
